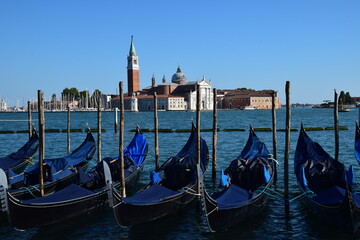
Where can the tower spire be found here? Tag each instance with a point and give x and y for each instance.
(132, 51)
(133, 70)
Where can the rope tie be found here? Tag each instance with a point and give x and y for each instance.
(269, 194)
(311, 194)
(29, 161)
(280, 196)
(215, 209)
(28, 189)
(191, 191)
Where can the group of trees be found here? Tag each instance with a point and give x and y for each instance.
(84, 98)
(344, 98)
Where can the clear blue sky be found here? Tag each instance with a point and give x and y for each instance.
(259, 44)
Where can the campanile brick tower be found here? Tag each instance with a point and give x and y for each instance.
(133, 70)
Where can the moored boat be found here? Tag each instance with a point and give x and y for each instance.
(327, 184)
(172, 188)
(58, 172)
(17, 161)
(357, 142)
(245, 183)
(76, 200)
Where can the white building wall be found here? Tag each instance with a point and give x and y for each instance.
(3, 106)
(206, 96)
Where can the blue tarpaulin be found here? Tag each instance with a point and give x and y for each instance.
(357, 143)
(26, 151)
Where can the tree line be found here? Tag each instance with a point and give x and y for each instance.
(74, 94)
(344, 98)
(83, 97)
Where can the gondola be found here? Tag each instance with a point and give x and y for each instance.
(17, 161)
(76, 200)
(327, 184)
(58, 172)
(357, 143)
(244, 186)
(170, 189)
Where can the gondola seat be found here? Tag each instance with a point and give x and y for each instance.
(72, 191)
(154, 193)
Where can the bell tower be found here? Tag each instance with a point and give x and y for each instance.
(133, 70)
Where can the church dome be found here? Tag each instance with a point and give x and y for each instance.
(178, 77)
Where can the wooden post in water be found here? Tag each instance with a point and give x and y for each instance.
(156, 133)
(116, 119)
(198, 150)
(99, 128)
(68, 128)
(336, 124)
(214, 134)
(29, 119)
(287, 149)
(273, 105)
(41, 139)
(121, 141)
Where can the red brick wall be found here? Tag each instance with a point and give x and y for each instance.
(133, 81)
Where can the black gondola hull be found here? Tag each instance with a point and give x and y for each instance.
(344, 211)
(20, 167)
(30, 192)
(345, 215)
(26, 216)
(220, 219)
(129, 214)
(224, 219)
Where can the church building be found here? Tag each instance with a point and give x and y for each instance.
(177, 95)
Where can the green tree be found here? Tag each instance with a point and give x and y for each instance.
(84, 98)
(96, 93)
(53, 98)
(95, 97)
(341, 98)
(84, 94)
(70, 94)
(347, 98)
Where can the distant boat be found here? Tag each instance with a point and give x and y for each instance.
(250, 108)
(343, 110)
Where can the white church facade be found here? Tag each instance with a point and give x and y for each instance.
(177, 95)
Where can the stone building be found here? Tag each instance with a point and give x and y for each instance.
(177, 95)
(247, 99)
(3, 105)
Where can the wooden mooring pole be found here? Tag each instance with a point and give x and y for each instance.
(273, 107)
(99, 128)
(198, 148)
(41, 120)
(121, 141)
(68, 128)
(214, 134)
(156, 130)
(336, 124)
(287, 149)
(29, 119)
